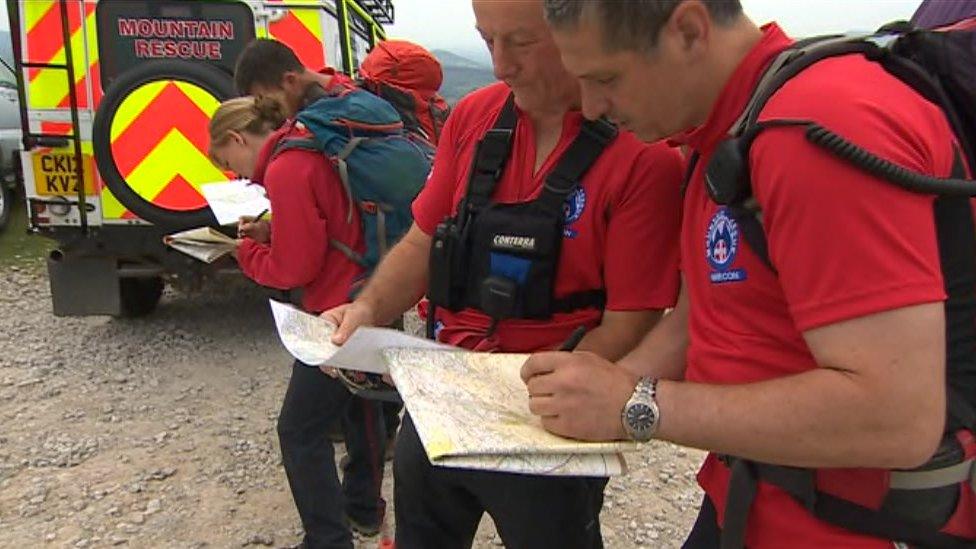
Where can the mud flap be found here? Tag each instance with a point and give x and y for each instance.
(83, 285)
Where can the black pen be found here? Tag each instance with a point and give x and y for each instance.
(573, 340)
(240, 233)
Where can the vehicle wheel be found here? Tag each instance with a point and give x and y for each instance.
(140, 296)
(6, 204)
(160, 107)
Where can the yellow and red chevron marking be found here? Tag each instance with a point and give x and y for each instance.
(301, 29)
(48, 88)
(159, 145)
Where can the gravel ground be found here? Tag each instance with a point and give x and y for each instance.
(159, 432)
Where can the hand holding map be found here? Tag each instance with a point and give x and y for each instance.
(470, 409)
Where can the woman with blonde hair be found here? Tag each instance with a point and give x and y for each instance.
(292, 251)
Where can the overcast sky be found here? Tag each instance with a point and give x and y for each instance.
(449, 24)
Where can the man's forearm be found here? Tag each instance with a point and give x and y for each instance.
(400, 280)
(820, 418)
(661, 354)
(619, 333)
(877, 399)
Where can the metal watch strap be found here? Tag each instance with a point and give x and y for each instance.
(647, 386)
(644, 394)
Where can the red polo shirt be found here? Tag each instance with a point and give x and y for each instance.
(310, 207)
(621, 231)
(845, 244)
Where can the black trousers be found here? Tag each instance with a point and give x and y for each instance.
(391, 416)
(313, 401)
(440, 508)
(705, 534)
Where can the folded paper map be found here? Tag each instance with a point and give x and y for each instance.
(230, 200)
(471, 411)
(204, 243)
(308, 338)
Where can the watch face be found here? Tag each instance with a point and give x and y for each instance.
(640, 417)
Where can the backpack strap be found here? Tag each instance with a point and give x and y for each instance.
(343, 168)
(490, 157)
(349, 253)
(593, 138)
(801, 485)
(582, 153)
(956, 237)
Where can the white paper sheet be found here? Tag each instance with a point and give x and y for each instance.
(232, 199)
(203, 243)
(308, 338)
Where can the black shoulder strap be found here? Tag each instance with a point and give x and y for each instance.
(956, 236)
(495, 147)
(490, 157)
(801, 485)
(593, 138)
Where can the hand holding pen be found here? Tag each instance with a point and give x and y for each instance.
(254, 228)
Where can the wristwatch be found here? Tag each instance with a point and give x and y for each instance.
(640, 415)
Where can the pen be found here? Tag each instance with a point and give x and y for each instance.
(240, 233)
(574, 339)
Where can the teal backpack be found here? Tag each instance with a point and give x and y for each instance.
(382, 166)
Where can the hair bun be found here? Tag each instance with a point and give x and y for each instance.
(270, 111)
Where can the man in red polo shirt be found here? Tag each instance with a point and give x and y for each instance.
(618, 235)
(294, 251)
(834, 361)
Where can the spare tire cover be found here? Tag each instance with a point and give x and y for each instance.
(150, 140)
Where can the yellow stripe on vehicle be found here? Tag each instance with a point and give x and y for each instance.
(311, 20)
(46, 89)
(91, 30)
(35, 10)
(158, 168)
(200, 97)
(49, 86)
(133, 105)
(111, 207)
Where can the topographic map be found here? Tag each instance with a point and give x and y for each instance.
(471, 410)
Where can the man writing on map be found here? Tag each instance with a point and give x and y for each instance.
(596, 247)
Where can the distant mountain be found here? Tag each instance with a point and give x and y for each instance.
(461, 75)
(448, 58)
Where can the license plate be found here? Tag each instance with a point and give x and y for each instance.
(55, 174)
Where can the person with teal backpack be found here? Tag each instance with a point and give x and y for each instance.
(382, 167)
(378, 167)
